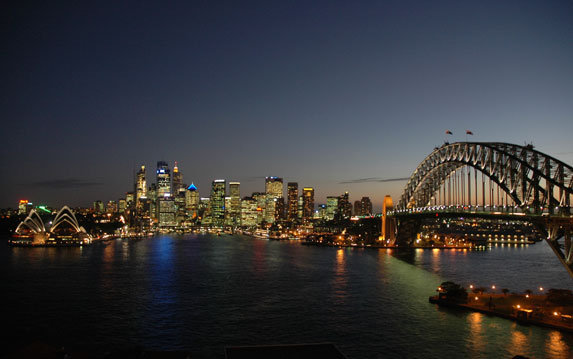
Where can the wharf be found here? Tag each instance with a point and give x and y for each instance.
(545, 321)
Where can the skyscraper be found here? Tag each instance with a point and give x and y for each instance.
(331, 207)
(140, 187)
(307, 204)
(344, 206)
(357, 208)
(217, 202)
(273, 191)
(192, 201)
(163, 179)
(365, 206)
(235, 207)
(292, 201)
(177, 179)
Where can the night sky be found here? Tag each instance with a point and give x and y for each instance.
(337, 95)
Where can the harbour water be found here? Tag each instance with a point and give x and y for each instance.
(202, 293)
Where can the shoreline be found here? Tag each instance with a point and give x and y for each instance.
(564, 327)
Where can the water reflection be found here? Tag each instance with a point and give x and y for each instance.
(476, 343)
(340, 279)
(556, 346)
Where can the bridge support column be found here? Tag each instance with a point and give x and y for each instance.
(557, 230)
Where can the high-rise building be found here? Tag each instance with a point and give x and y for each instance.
(365, 206)
(140, 187)
(249, 213)
(192, 201)
(235, 204)
(23, 206)
(331, 207)
(292, 202)
(177, 179)
(321, 212)
(260, 198)
(163, 179)
(274, 186)
(217, 202)
(98, 207)
(308, 204)
(357, 208)
(166, 211)
(344, 206)
(273, 191)
(111, 207)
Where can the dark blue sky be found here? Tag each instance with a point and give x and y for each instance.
(315, 92)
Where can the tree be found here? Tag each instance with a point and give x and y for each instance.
(480, 290)
(453, 292)
(504, 291)
(560, 296)
(528, 291)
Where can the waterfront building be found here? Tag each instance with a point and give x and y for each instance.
(365, 206)
(177, 179)
(308, 204)
(217, 202)
(235, 203)
(292, 202)
(163, 179)
(180, 208)
(140, 187)
(331, 207)
(204, 210)
(249, 212)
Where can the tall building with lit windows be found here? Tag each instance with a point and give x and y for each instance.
(365, 206)
(177, 179)
(140, 187)
(331, 207)
(307, 204)
(163, 179)
(235, 203)
(273, 191)
(217, 202)
(292, 202)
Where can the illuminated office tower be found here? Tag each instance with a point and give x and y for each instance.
(98, 207)
(152, 196)
(122, 205)
(249, 213)
(23, 206)
(181, 212)
(365, 206)
(130, 200)
(140, 187)
(292, 202)
(235, 204)
(192, 201)
(260, 197)
(307, 204)
(274, 186)
(273, 191)
(331, 207)
(300, 208)
(163, 179)
(177, 179)
(344, 206)
(321, 212)
(357, 208)
(111, 207)
(166, 212)
(217, 202)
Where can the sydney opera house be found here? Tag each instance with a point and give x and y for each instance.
(64, 229)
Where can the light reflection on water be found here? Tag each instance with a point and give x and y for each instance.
(202, 293)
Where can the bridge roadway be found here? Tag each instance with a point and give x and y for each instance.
(552, 226)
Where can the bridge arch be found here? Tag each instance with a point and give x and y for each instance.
(531, 178)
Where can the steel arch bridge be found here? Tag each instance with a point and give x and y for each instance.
(539, 186)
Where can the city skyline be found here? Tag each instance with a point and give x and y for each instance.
(335, 96)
